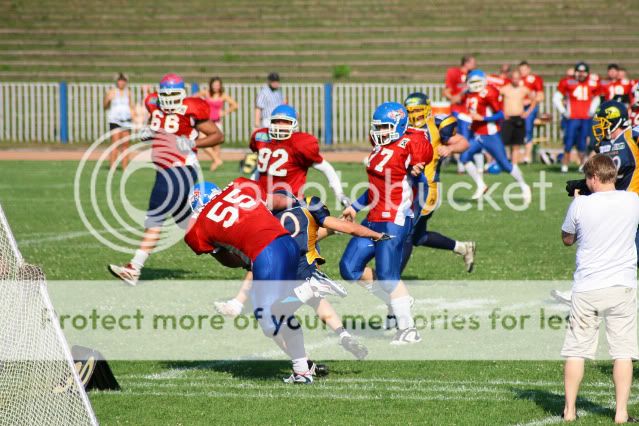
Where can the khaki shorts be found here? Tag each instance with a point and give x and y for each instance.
(618, 306)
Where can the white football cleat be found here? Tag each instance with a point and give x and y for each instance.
(127, 273)
(564, 297)
(228, 308)
(481, 190)
(564, 168)
(406, 336)
(469, 255)
(299, 379)
(324, 286)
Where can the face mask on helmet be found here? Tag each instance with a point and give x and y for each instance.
(418, 115)
(476, 84)
(170, 99)
(282, 127)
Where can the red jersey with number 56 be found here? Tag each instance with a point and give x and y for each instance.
(237, 220)
(484, 103)
(283, 164)
(580, 95)
(168, 126)
(390, 194)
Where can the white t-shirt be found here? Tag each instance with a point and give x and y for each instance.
(606, 225)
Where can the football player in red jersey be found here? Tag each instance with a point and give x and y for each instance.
(399, 153)
(485, 109)
(238, 230)
(285, 154)
(173, 129)
(615, 88)
(536, 85)
(633, 113)
(581, 95)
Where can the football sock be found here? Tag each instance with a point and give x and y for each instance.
(401, 309)
(436, 240)
(479, 160)
(460, 248)
(460, 166)
(341, 332)
(300, 365)
(516, 173)
(471, 169)
(236, 304)
(378, 292)
(139, 258)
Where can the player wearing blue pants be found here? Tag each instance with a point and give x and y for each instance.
(484, 106)
(398, 153)
(576, 135)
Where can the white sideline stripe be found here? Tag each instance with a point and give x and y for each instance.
(403, 381)
(312, 396)
(65, 236)
(550, 420)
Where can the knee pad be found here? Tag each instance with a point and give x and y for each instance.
(388, 286)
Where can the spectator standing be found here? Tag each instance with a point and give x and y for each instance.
(215, 96)
(269, 97)
(120, 109)
(515, 98)
(536, 85)
(603, 225)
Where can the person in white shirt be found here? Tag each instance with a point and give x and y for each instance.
(120, 110)
(603, 225)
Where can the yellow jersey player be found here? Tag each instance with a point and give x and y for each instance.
(442, 133)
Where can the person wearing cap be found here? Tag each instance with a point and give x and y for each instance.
(581, 96)
(269, 97)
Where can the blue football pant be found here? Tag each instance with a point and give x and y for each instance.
(387, 254)
(576, 134)
(493, 145)
(530, 123)
(274, 274)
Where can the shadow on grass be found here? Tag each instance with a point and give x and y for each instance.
(260, 370)
(163, 273)
(553, 403)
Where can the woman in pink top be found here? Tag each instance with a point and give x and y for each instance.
(216, 98)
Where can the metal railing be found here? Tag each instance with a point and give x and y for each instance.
(335, 113)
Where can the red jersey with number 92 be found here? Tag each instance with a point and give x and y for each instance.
(283, 164)
(237, 220)
(390, 193)
(181, 123)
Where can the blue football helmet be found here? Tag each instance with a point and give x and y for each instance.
(390, 121)
(172, 92)
(201, 194)
(280, 131)
(476, 81)
(447, 126)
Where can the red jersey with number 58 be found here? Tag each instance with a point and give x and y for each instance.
(283, 164)
(237, 220)
(168, 126)
(484, 103)
(580, 95)
(390, 193)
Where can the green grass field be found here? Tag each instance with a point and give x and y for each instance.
(38, 200)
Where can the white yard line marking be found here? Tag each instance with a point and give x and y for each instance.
(65, 236)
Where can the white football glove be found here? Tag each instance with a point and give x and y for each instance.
(184, 144)
(146, 134)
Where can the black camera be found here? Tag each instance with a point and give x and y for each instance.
(579, 184)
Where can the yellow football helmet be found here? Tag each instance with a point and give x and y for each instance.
(609, 117)
(419, 110)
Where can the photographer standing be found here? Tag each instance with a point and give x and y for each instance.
(603, 225)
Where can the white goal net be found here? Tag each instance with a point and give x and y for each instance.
(38, 381)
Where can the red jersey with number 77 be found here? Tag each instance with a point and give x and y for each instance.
(283, 164)
(579, 95)
(484, 103)
(390, 192)
(167, 126)
(236, 219)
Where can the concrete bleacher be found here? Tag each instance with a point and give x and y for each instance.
(399, 41)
